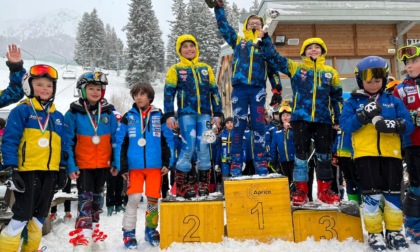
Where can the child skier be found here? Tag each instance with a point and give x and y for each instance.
(376, 119)
(142, 156)
(408, 92)
(91, 126)
(199, 106)
(32, 151)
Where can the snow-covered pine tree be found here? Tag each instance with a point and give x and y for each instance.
(143, 34)
(202, 25)
(95, 44)
(82, 37)
(255, 6)
(235, 15)
(177, 28)
(113, 49)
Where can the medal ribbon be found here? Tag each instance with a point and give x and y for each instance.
(44, 126)
(95, 124)
(144, 121)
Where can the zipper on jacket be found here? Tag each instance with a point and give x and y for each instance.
(234, 68)
(378, 143)
(182, 99)
(251, 59)
(314, 94)
(197, 86)
(285, 145)
(23, 153)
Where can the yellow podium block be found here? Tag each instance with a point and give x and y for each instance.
(340, 223)
(258, 208)
(191, 221)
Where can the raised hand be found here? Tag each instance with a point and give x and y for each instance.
(14, 55)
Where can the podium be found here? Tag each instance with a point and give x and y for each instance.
(327, 222)
(258, 208)
(191, 220)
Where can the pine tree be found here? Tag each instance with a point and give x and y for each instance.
(177, 27)
(143, 37)
(202, 25)
(255, 6)
(113, 49)
(235, 15)
(80, 52)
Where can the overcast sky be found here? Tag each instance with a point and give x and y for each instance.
(113, 12)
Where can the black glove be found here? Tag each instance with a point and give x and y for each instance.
(370, 110)
(276, 98)
(15, 66)
(62, 178)
(389, 126)
(14, 181)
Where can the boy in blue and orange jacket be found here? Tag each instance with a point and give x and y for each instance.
(91, 126)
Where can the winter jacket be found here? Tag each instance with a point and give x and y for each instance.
(249, 66)
(193, 83)
(20, 142)
(282, 146)
(408, 92)
(342, 145)
(366, 140)
(14, 92)
(82, 152)
(154, 154)
(316, 87)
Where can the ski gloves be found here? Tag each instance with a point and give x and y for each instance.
(214, 3)
(371, 113)
(14, 181)
(276, 98)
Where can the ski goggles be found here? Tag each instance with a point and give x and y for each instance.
(43, 71)
(408, 52)
(377, 73)
(95, 77)
(285, 109)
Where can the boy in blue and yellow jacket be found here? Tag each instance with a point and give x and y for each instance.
(91, 126)
(248, 81)
(317, 93)
(377, 120)
(199, 106)
(32, 148)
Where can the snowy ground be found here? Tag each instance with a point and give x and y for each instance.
(57, 240)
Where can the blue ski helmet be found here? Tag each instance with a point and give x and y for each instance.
(372, 67)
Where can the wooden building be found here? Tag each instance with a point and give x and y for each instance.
(351, 30)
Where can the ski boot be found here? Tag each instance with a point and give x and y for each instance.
(395, 240)
(130, 241)
(183, 187)
(152, 236)
(376, 242)
(110, 210)
(325, 194)
(203, 182)
(33, 237)
(53, 216)
(81, 239)
(98, 238)
(119, 208)
(68, 216)
(300, 195)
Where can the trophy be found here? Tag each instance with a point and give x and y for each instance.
(270, 15)
(214, 3)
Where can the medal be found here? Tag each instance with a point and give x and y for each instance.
(96, 139)
(141, 142)
(43, 142)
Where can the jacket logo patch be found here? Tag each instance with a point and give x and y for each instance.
(104, 120)
(182, 71)
(58, 122)
(411, 99)
(303, 74)
(204, 72)
(183, 77)
(328, 75)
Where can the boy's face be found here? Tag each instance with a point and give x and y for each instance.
(254, 23)
(372, 86)
(313, 51)
(93, 93)
(229, 125)
(141, 99)
(188, 50)
(43, 87)
(413, 67)
(285, 117)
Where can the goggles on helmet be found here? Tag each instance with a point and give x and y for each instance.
(95, 78)
(408, 52)
(43, 71)
(285, 109)
(377, 73)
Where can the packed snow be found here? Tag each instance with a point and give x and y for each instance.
(58, 239)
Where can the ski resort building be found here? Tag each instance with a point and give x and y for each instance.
(351, 30)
